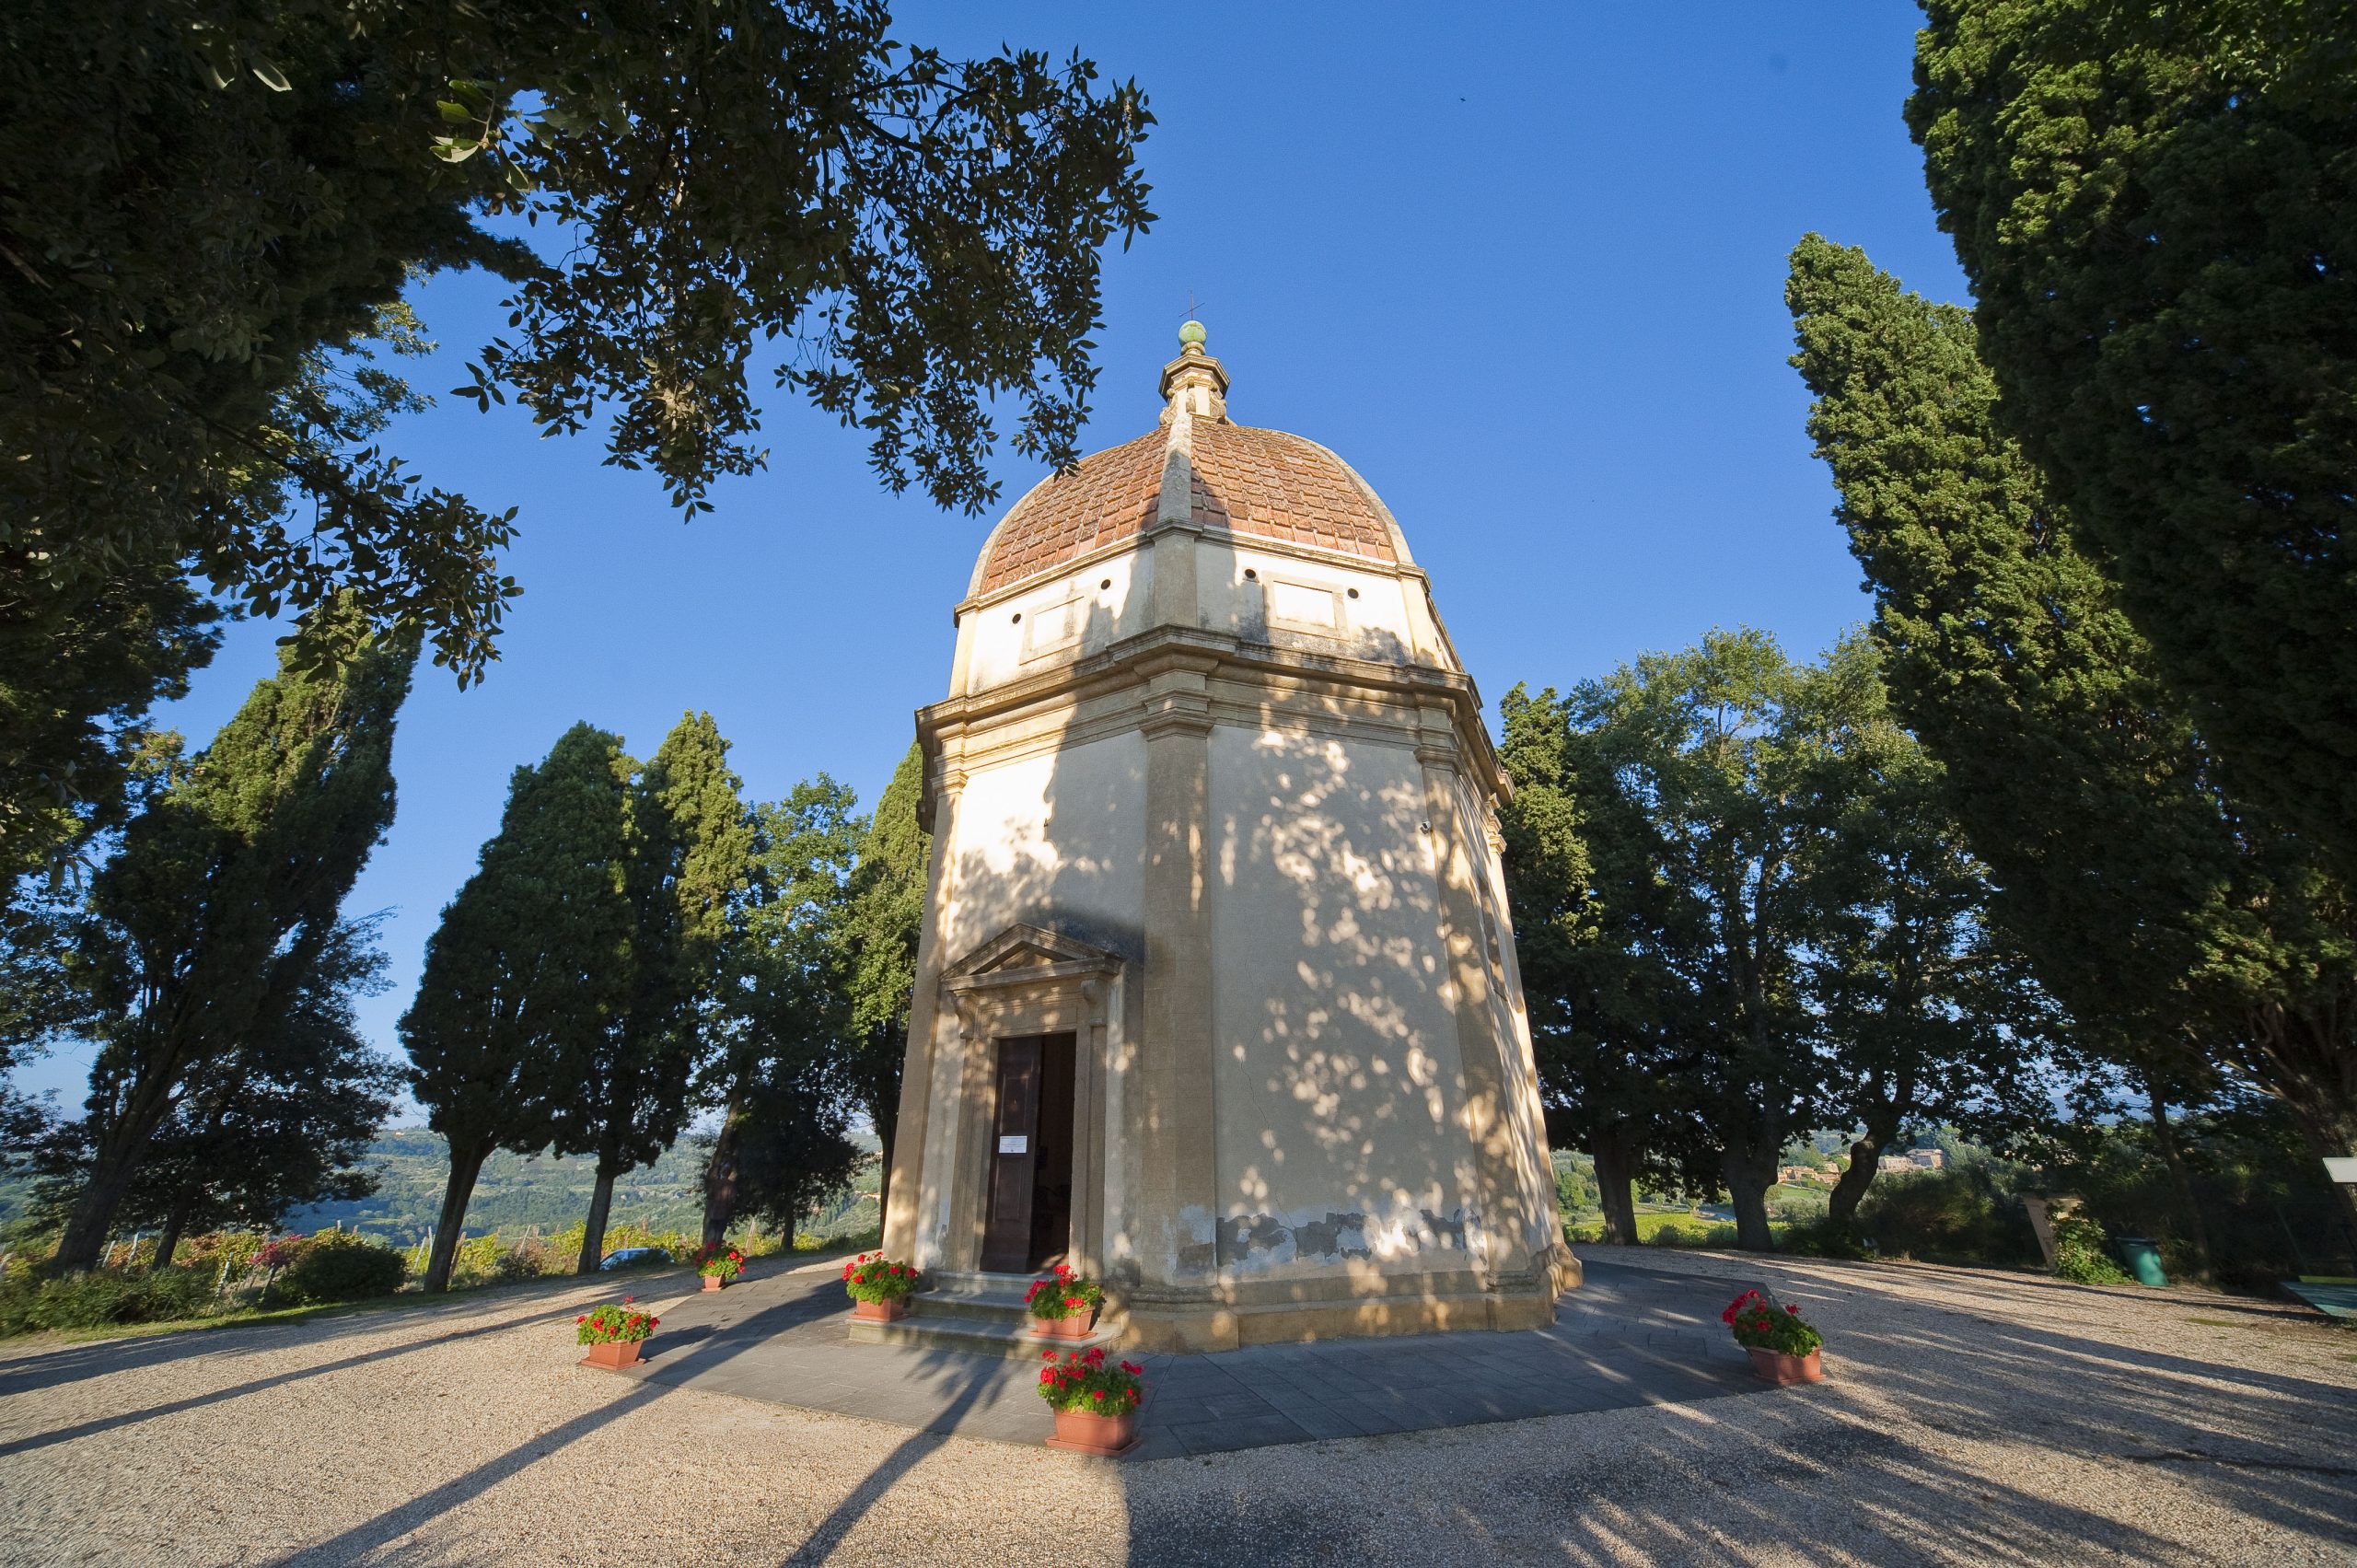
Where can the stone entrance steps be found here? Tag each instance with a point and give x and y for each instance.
(975, 1315)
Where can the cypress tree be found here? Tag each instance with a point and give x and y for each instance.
(210, 925)
(688, 857)
(2182, 930)
(529, 975)
(881, 921)
(2155, 206)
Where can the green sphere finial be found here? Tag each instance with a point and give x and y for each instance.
(1191, 334)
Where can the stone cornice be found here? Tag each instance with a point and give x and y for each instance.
(1173, 678)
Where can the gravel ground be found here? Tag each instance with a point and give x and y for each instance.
(1969, 1417)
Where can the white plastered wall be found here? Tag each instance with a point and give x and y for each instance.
(1336, 1057)
(1056, 839)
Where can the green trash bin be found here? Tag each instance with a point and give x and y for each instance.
(2143, 1259)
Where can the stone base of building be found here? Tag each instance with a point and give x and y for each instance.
(1229, 1317)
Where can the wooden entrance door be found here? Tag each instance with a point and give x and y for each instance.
(1028, 1221)
(1006, 1226)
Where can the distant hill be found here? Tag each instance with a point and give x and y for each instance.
(516, 1193)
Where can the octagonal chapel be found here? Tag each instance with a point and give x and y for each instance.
(1217, 996)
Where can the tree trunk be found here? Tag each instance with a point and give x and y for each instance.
(2196, 1234)
(883, 1177)
(465, 1166)
(1616, 1156)
(168, 1240)
(593, 1229)
(1747, 1186)
(119, 1153)
(1850, 1189)
(720, 1184)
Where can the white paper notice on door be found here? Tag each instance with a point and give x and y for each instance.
(1014, 1143)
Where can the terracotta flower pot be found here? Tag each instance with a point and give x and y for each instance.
(613, 1355)
(1074, 1327)
(880, 1311)
(1083, 1433)
(1777, 1367)
(714, 1282)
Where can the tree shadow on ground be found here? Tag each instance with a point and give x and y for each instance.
(94, 1358)
(239, 1390)
(1826, 1471)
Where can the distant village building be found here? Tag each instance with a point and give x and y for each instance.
(1217, 996)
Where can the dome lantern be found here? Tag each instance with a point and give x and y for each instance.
(1194, 384)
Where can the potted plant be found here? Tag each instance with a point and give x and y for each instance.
(878, 1287)
(1783, 1349)
(718, 1263)
(1064, 1305)
(614, 1334)
(1096, 1406)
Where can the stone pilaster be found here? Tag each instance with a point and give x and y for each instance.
(1170, 1114)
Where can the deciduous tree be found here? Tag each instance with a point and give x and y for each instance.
(1700, 773)
(1925, 1015)
(205, 197)
(283, 1119)
(1599, 995)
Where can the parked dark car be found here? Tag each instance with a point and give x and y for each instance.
(634, 1258)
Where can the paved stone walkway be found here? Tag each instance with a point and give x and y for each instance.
(1631, 1335)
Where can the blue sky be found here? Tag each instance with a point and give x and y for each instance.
(1521, 266)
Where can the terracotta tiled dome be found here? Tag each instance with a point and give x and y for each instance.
(1260, 483)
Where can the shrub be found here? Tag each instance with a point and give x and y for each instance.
(1961, 1214)
(1825, 1237)
(1670, 1235)
(1720, 1235)
(338, 1265)
(1079, 1380)
(105, 1297)
(2080, 1254)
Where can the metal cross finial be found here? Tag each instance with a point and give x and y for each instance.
(1193, 307)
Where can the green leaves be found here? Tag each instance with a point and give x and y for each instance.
(210, 207)
(2179, 927)
(2153, 206)
(221, 911)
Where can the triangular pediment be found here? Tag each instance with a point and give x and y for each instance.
(1027, 946)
